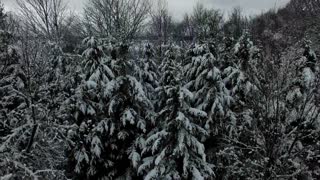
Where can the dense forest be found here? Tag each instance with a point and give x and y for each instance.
(123, 90)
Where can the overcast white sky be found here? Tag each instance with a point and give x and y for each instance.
(179, 7)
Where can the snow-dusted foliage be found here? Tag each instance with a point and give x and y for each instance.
(28, 127)
(87, 108)
(277, 126)
(239, 66)
(304, 113)
(174, 150)
(121, 105)
(147, 72)
(97, 72)
(130, 114)
(204, 79)
(113, 115)
(13, 101)
(239, 63)
(169, 69)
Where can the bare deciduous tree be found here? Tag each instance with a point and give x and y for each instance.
(161, 21)
(188, 26)
(120, 19)
(44, 17)
(206, 22)
(236, 24)
(202, 23)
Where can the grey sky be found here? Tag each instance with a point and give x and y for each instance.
(179, 7)
(250, 7)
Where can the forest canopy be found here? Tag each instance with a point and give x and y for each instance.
(126, 91)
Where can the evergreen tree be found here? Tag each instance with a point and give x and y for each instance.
(12, 88)
(12, 78)
(239, 75)
(168, 72)
(174, 149)
(147, 72)
(13, 102)
(114, 115)
(226, 52)
(130, 115)
(204, 78)
(87, 106)
(239, 68)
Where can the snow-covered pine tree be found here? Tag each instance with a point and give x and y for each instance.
(147, 72)
(9, 79)
(11, 75)
(226, 52)
(130, 115)
(238, 72)
(168, 69)
(12, 86)
(167, 74)
(88, 152)
(204, 79)
(62, 79)
(114, 115)
(238, 69)
(174, 149)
